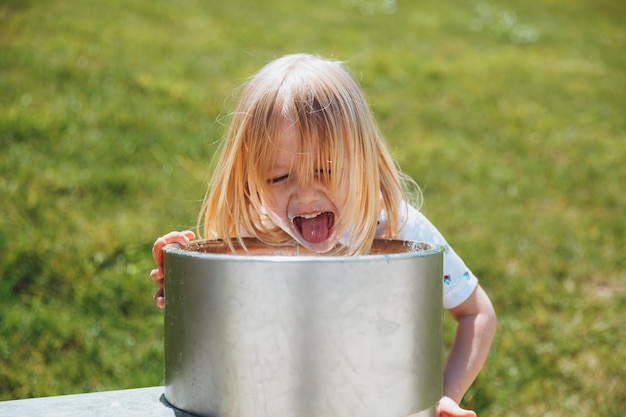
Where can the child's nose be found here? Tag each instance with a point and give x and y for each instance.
(310, 189)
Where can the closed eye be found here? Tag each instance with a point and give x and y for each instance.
(322, 173)
(279, 179)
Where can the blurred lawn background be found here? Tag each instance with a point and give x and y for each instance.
(510, 115)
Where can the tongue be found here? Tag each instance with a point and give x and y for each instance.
(315, 230)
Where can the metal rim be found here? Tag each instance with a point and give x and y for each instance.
(195, 248)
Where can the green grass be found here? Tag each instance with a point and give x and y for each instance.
(510, 116)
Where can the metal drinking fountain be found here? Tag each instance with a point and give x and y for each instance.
(269, 332)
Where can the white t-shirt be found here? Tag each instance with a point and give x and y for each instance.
(458, 281)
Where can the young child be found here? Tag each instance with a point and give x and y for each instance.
(303, 161)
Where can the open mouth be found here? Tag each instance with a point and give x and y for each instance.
(315, 228)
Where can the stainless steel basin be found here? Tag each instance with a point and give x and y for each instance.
(274, 333)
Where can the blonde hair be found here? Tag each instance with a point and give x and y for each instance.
(332, 120)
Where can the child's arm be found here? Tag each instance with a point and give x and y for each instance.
(158, 274)
(476, 327)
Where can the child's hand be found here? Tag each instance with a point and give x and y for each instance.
(158, 274)
(447, 407)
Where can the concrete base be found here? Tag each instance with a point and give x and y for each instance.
(141, 402)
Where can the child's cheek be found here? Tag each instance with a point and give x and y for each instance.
(273, 201)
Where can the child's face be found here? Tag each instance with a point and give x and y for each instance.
(307, 211)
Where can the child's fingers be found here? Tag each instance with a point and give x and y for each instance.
(157, 275)
(180, 237)
(159, 298)
(172, 237)
(447, 407)
(157, 250)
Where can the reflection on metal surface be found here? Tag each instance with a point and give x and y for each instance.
(267, 333)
